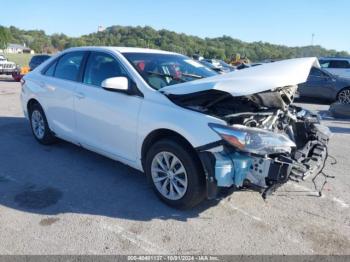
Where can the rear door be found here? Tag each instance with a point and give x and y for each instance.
(106, 120)
(60, 83)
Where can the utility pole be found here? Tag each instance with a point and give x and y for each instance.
(312, 38)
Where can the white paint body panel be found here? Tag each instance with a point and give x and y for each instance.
(116, 125)
(107, 121)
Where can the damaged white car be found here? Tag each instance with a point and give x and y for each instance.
(190, 130)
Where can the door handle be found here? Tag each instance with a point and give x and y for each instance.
(80, 95)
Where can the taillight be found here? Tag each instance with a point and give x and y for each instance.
(22, 82)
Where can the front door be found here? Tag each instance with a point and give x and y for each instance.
(106, 120)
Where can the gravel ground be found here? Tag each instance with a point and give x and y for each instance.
(63, 199)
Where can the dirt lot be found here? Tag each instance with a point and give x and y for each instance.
(66, 200)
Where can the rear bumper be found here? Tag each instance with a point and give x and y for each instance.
(24, 101)
(225, 167)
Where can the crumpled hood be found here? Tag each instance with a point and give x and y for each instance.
(251, 80)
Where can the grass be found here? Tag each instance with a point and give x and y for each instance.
(19, 59)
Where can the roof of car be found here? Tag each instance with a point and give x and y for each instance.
(45, 55)
(335, 58)
(123, 49)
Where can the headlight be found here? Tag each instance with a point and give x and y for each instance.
(254, 140)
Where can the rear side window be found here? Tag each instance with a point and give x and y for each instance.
(51, 69)
(101, 66)
(68, 66)
(339, 64)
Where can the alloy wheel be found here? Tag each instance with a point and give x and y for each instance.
(38, 124)
(344, 96)
(169, 175)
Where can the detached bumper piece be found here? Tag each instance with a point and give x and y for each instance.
(311, 163)
(311, 158)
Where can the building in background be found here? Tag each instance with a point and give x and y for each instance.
(17, 49)
(101, 28)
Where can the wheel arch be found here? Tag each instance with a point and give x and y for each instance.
(347, 87)
(163, 133)
(32, 102)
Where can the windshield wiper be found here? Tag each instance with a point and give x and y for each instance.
(174, 77)
(165, 75)
(193, 76)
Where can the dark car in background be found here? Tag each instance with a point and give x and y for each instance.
(323, 85)
(37, 60)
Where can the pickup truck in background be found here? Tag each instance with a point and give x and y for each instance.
(7, 67)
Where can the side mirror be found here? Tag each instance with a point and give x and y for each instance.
(116, 84)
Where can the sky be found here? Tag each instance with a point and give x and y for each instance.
(287, 22)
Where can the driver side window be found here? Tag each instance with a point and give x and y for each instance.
(101, 66)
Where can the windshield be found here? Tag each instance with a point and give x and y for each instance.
(160, 70)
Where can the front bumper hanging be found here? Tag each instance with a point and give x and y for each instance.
(225, 168)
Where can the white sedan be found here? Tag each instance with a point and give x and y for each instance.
(190, 130)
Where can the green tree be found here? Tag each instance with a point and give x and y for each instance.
(4, 37)
(224, 47)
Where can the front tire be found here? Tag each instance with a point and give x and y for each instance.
(175, 174)
(39, 125)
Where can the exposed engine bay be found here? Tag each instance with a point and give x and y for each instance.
(267, 140)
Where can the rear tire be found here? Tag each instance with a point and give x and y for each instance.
(344, 96)
(39, 125)
(175, 174)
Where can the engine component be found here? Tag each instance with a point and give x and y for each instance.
(266, 142)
